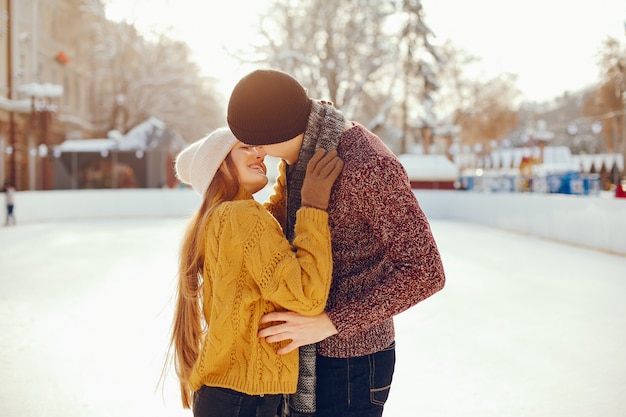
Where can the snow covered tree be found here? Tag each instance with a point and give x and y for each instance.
(608, 104)
(136, 77)
(490, 113)
(371, 58)
(420, 63)
(483, 108)
(336, 49)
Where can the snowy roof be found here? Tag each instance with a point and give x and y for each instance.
(512, 157)
(554, 168)
(86, 145)
(429, 167)
(145, 135)
(555, 159)
(596, 161)
(19, 106)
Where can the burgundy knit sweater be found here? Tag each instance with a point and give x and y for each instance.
(385, 257)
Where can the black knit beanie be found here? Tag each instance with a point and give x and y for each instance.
(268, 106)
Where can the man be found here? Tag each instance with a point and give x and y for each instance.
(385, 258)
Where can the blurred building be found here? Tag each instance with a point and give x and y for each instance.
(42, 96)
(49, 81)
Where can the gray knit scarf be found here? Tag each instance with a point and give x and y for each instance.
(324, 129)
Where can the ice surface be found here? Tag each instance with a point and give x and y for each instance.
(524, 327)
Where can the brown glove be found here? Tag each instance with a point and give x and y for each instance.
(321, 173)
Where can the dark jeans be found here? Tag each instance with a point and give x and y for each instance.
(223, 402)
(354, 387)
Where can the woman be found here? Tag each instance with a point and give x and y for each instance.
(235, 266)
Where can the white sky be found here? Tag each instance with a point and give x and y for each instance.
(550, 44)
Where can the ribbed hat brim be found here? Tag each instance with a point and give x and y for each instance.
(197, 164)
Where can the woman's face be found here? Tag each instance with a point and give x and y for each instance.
(250, 167)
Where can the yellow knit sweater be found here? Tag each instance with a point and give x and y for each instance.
(251, 269)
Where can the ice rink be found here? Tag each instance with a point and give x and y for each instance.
(525, 327)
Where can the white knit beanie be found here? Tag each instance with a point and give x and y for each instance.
(197, 164)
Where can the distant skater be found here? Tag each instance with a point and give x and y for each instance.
(9, 193)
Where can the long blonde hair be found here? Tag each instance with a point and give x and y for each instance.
(188, 325)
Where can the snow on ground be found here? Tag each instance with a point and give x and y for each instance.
(524, 327)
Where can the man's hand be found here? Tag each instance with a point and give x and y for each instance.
(301, 330)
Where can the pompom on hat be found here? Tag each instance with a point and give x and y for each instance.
(197, 164)
(267, 107)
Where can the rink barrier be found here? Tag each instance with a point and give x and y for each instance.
(595, 222)
(587, 221)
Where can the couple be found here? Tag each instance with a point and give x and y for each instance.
(260, 315)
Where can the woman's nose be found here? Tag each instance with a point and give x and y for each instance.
(259, 151)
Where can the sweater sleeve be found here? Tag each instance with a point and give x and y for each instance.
(410, 270)
(295, 278)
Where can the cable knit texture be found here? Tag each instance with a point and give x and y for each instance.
(385, 258)
(251, 270)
